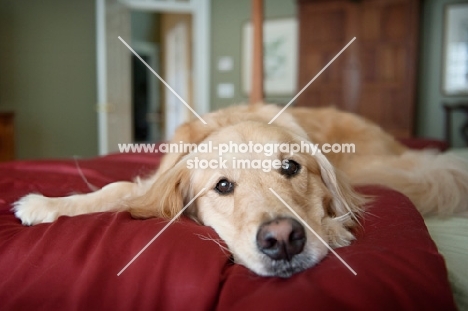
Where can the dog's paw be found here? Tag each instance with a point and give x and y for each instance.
(35, 209)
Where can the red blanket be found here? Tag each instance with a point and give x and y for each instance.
(72, 264)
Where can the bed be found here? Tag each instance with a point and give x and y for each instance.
(72, 264)
(451, 238)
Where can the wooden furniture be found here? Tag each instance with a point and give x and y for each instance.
(256, 95)
(7, 141)
(376, 76)
(449, 109)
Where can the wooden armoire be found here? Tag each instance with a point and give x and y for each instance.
(7, 136)
(376, 76)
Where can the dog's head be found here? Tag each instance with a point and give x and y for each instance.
(247, 195)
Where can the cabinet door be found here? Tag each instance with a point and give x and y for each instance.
(7, 137)
(376, 76)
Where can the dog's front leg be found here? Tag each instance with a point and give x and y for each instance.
(36, 208)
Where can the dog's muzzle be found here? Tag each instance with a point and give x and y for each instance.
(281, 238)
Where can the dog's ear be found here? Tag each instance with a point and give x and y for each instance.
(192, 132)
(171, 187)
(167, 195)
(345, 202)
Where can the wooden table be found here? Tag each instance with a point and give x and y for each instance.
(7, 136)
(449, 109)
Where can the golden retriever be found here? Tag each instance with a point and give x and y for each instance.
(259, 230)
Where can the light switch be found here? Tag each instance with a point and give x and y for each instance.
(225, 63)
(225, 90)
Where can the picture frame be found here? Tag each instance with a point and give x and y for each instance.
(455, 50)
(280, 55)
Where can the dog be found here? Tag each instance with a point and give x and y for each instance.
(240, 204)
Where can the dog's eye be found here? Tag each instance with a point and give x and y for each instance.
(290, 168)
(224, 186)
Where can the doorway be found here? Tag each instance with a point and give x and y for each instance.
(147, 103)
(118, 120)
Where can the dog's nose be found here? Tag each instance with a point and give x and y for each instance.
(281, 238)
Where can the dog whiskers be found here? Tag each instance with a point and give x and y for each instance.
(344, 217)
(225, 250)
(366, 212)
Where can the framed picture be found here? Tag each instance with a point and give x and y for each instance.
(279, 56)
(455, 54)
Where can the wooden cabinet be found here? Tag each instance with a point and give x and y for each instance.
(376, 76)
(7, 141)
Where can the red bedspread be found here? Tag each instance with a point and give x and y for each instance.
(72, 264)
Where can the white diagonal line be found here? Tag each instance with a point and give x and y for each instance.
(313, 79)
(313, 231)
(160, 232)
(162, 80)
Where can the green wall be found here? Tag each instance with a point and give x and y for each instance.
(228, 17)
(48, 76)
(430, 114)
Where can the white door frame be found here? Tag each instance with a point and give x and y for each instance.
(200, 10)
(177, 76)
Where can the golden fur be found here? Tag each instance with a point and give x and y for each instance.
(321, 192)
